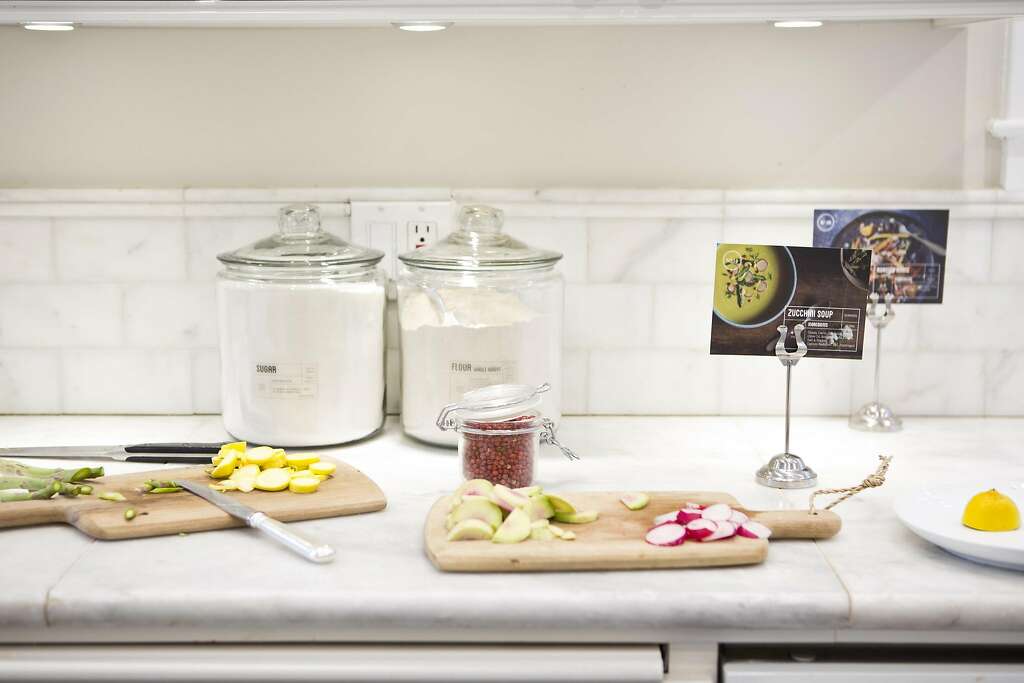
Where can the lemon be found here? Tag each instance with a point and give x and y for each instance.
(991, 511)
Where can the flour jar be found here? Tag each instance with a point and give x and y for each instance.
(301, 336)
(476, 309)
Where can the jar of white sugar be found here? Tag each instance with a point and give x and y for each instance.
(476, 309)
(301, 336)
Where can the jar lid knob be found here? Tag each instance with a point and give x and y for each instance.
(299, 221)
(481, 219)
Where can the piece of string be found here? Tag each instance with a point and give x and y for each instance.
(872, 481)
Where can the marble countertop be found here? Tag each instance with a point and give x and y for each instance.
(874, 580)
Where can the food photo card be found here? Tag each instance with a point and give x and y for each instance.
(908, 246)
(759, 287)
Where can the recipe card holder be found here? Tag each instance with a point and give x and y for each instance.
(875, 416)
(786, 470)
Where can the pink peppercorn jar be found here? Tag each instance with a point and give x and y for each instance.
(500, 431)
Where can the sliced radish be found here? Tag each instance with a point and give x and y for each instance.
(752, 529)
(725, 530)
(665, 518)
(687, 515)
(699, 529)
(719, 512)
(668, 534)
(694, 506)
(738, 518)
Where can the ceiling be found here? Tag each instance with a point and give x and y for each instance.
(300, 13)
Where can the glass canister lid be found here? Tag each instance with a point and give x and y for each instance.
(479, 244)
(300, 243)
(492, 404)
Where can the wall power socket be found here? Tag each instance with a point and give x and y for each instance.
(398, 227)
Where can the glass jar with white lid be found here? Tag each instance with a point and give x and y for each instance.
(476, 309)
(301, 317)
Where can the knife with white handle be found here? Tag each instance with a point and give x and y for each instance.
(268, 526)
(191, 453)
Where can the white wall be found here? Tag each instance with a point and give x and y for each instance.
(854, 105)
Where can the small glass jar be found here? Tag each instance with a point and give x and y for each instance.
(500, 431)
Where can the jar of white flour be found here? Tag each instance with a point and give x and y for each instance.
(477, 308)
(301, 336)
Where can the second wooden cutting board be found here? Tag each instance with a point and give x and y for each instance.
(616, 539)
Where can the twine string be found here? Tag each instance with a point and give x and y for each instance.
(871, 481)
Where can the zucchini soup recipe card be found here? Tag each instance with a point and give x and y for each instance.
(759, 287)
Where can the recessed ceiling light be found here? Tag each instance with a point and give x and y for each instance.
(798, 23)
(421, 26)
(49, 26)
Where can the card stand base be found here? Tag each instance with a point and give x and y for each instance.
(785, 470)
(875, 417)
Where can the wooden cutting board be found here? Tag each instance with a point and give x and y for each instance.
(348, 492)
(616, 539)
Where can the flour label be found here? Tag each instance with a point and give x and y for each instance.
(285, 380)
(469, 375)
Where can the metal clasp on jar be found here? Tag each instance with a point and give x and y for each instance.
(547, 435)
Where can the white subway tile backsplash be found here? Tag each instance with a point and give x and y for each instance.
(969, 251)
(27, 248)
(41, 316)
(207, 237)
(1004, 383)
(171, 315)
(119, 249)
(127, 381)
(682, 316)
(652, 250)
(790, 232)
(973, 318)
(652, 382)
(756, 385)
(29, 381)
(565, 235)
(927, 383)
(205, 381)
(107, 297)
(574, 382)
(608, 316)
(1007, 247)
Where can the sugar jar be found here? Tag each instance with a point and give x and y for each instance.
(301, 317)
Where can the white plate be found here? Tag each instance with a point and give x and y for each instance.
(934, 514)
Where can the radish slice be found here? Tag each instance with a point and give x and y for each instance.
(738, 518)
(694, 506)
(752, 529)
(685, 516)
(666, 518)
(699, 529)
(725, 530)
(669, 534)
(719, 512)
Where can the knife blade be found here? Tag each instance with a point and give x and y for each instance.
(186, 452)
(313, 551)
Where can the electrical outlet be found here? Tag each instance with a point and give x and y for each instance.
(419, 234)
(398, 227)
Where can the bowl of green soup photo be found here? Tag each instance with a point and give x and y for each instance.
(753, 283)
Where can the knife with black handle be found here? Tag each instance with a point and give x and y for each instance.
(187, 452)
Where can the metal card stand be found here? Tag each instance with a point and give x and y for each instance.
(786, 470)
(875, 416)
